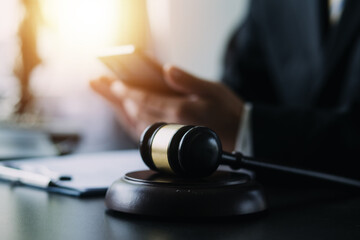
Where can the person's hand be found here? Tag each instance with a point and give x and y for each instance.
(199, 102)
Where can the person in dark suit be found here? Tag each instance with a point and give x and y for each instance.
(290, 89)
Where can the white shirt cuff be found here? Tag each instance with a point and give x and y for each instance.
(244, 136)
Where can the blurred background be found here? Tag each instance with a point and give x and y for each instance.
(48, 54)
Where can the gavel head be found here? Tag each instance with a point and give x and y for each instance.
(189, 151)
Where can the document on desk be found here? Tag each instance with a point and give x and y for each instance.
(81, 175)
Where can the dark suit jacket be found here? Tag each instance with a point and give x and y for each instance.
(303, 77)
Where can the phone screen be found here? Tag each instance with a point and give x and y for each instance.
(133, 67)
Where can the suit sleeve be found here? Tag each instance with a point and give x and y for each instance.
(326, 140)
(246, 69)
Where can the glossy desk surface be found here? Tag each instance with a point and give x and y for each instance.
(306, 212)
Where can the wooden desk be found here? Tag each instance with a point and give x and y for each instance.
(310, 212)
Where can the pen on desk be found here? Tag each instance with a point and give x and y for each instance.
(40, 169)
(24, 177)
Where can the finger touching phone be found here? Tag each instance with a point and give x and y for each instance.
(133, 67)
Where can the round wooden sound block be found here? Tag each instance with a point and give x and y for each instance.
(155, 194)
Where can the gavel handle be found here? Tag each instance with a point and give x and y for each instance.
(234, 159)
(237, 160)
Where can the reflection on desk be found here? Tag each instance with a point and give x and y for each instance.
(304, 211)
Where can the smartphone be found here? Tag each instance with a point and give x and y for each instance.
(133, 67)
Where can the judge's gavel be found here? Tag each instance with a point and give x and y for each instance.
(189, 151)
(195, 151)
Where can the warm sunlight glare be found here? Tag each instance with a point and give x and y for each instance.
(84, 24)
(74, 31)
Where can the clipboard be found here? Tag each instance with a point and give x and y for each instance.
(90, 174)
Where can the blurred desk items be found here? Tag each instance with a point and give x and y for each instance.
(18, 142)
(25, 143)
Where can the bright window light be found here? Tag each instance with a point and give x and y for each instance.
(74, 31)
(85, 24)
